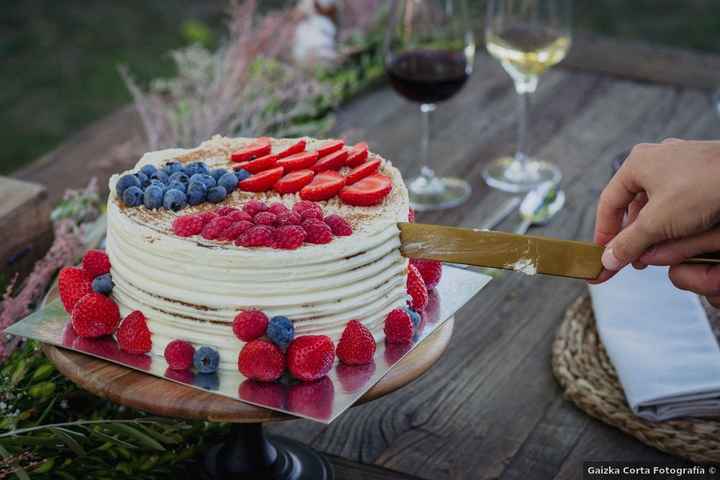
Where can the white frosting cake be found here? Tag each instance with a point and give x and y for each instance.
(192, 288)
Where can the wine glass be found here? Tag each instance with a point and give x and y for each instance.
(429, 55)
(528, 37)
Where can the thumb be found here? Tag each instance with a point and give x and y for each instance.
(634, 239)
(677, 251)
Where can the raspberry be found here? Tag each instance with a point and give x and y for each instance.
(262, 361)
(398, 326)
(307, 209)
(356, 345)
(289, 237)
(222, 211)
(95, 315)
(215, 227)
(96, 263)
(411, 216)
(250, 324)
(264, 218)
(416, 289)
(73, 283)
(317, 231)
(239, 215)
(430, 271)
(291, 218)
(310, 357)
(133, 335)
(278, 208)
(188, 225)
(207, 216)
(254, 206)
(235, 230)
(179, 355)
(257, 236)
(339, 226)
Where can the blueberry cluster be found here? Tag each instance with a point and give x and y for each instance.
(175, 185)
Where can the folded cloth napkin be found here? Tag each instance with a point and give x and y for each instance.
(661, 344)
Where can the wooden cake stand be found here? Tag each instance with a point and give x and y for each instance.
(247, 453)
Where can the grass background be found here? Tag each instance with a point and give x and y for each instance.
(58, 67)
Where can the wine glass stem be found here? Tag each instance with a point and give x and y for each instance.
(426, 172)
(521, 156)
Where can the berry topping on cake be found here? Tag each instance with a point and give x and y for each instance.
(300, 161)
(95, 315)
(257, 236)
(430, 271)
(261, 164)
(73, 283)
(330, 147)
(179, 355)
(414, 316)
(153, 197)
(339, 226)
(368, 191)
(294, 181)
(241, 174)
(133, 197)
(204, 178)
(416, 289)
(125, 182)
(188, 225)
(133, 335)
(333, 161)
(264, 218)
(96, 263)
(362, 171)
(280, 331)
(215, 227)
(254, 206)
(216, 194)
(358, 155)
(289, 237)
(250, 324)
(296, 147)
(398, 326)
(310, 357)
(206, 360)
(262, 361)
(308, 209)
(196, 193)
(324, 186)
(174, 200)
(103, 284)
(263, 181)
(356, 345)
(238, 215)
(318, 232)
(235, 229)
(255, 150)
(291, 218)
(228, 181)
(223, 211)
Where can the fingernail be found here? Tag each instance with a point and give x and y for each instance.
(609, 261)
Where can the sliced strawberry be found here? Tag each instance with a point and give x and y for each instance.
(334, 161)
(262, 181)
(258, 149)
(241, 165)
(299, 161)
(325, 185)
(330, 147)
(368, 191)
(364, 170)
(358, 155)
(261, 164)
(296, 147)
(294, 181)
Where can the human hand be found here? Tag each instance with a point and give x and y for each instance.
(665, 191)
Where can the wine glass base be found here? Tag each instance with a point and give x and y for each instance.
(438, 193)
(508, 175)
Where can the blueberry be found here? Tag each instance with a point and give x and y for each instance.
(228, 181)
(173, 166)
(196, 167)
(280, 331)
(206, 360)
(103, 284)
(125, 182)
(179, 177)
(203, 178)
(144, 179)
(159, 175)
(216, 194)
(208, 381)
(178, 186)
(242, 174)
(148, 170)
(174, 200)
(414, 316)
(153, 197)
(196, 193)
(133, 197)
(157, 183)
(217, 173)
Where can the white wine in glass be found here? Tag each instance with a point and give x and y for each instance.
(528, 37)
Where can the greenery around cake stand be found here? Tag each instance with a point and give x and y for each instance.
(50, 428)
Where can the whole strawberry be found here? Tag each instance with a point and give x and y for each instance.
(95, 315)
(430, 271)
(73, 283)
(398, 326)
(250, 324)
(133, 335)
(356, 345)
(310, 357)
(96, 263)
(262, 361)
(416, 289)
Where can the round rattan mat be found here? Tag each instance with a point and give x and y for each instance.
(583, 369)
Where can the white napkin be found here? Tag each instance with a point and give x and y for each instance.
(661, 344)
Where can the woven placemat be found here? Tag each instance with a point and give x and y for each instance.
(583, 369)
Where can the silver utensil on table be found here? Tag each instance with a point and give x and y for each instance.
(539, 206)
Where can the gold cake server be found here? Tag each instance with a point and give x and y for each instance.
(525, 253)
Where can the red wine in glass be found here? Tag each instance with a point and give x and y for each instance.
(428, 76)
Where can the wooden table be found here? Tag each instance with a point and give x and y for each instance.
(490, 407)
